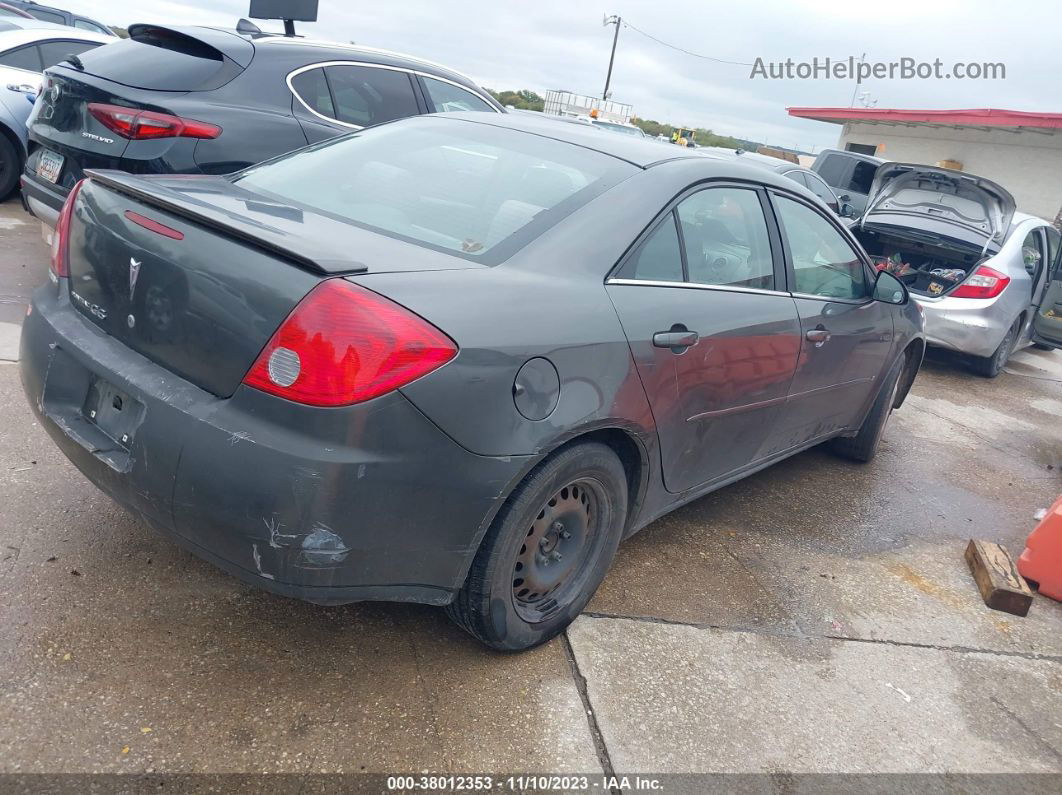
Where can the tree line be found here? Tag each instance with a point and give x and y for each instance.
(529, 100)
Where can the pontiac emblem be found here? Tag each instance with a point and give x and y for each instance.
(134, 272)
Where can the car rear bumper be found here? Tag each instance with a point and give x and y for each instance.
(44, 201)
(327, 505)
(967, 325)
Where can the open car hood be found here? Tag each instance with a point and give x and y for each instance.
(906, 191)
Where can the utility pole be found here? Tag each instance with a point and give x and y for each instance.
(611, 20)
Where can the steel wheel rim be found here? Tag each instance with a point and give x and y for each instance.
(560, 542)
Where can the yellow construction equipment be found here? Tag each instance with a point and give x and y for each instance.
(683, 136)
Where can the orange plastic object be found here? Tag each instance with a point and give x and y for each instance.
(1041, 561)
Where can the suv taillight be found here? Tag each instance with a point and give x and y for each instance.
(345, 344)
(61, 236)
(139, 125)
(984, 283)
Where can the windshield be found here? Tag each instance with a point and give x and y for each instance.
(476, 190)
(621, 128)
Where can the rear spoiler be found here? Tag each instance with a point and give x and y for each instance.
(222, 43)
(307, 254)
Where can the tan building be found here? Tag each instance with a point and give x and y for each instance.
(1019, 150)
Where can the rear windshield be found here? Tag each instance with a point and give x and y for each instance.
(474, 190)
(161, 60)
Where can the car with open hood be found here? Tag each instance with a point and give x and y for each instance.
(984, 274)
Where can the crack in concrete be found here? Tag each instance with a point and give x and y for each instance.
(800, 635)
(598, 738)
(1051, 750)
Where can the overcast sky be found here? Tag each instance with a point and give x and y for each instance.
(548, 44)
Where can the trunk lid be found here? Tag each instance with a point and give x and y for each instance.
(203, 296)
(146, 71)
(943, 201)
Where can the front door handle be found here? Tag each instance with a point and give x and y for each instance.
(24, 88)
(678, 339)
(820, 336)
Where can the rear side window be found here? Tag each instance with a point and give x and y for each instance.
(312, 88)
(474, 190)
(85, 24)
(47, 16)
(820, 189)
(832, 168)
(862, 177)
(52, 52)
(162, 60)
(27, 58)
(448, 98)
(726, 240)
(658, 258)
(364, 95)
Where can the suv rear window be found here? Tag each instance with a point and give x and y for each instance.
(474, 190)
(162, 60)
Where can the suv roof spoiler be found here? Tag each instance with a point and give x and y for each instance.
(236, 48)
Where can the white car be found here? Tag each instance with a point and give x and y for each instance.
(27, 48)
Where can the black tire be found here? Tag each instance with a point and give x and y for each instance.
(490, 606)
(864, 445)
(1041, 347)
(10, 166)
(991, 366)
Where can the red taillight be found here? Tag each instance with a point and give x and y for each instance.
(984, 283)
(344, 344)
(61, 235)
(140, 125)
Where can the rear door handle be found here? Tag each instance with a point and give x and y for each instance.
(820, 336)
(678, 340)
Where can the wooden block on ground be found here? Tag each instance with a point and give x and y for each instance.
(997, 577)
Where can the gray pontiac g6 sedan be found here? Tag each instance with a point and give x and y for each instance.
(454, 359)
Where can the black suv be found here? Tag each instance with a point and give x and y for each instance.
(213, 101)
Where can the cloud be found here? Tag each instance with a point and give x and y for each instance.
(562, 44)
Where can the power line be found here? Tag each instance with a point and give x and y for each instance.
(682, 49)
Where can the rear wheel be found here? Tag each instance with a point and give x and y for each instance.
(10, 166)
(864, 445)
(546, 551)
(991, 366)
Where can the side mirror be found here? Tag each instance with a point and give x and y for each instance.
(889, 290)
(847, 210)
(844, 197)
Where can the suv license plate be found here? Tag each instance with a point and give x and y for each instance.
(49, 164)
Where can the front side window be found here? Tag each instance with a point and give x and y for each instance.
(364, 95)
(658, 258)
(726, 240)
(824, 263)
(475, 190)
(27, 58)
(448, 98)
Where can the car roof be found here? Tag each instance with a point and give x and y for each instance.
(641, 152)
(15, 31)
(855, 155)
(360, 52)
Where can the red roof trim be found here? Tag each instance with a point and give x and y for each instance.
(977, 117)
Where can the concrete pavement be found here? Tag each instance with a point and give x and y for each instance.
(816, 617)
